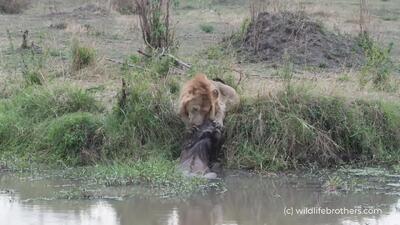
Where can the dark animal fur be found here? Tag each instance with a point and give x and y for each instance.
(203, 148)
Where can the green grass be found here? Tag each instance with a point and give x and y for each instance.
(207, 28)
(51, 124)
(133, 128)
(157, 173)
(82, 56)
(37, 103)
(153, 177)
(76, 138)
(293, 129)
(296, 129)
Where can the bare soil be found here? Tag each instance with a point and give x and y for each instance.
(274, 38)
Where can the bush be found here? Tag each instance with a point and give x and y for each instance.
(155, 24)
(379, 66)
(207, 28)
(13, 6)
(75, 138)
(82, 56)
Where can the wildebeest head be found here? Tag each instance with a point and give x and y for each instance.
(201, 148)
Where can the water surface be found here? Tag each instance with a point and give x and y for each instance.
(247, 201)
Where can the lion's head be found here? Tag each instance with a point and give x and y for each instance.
(198, 101)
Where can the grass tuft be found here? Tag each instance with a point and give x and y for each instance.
(207, 28)
(82, 56)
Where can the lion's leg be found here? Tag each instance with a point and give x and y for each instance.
(220, 114)
(228, 97)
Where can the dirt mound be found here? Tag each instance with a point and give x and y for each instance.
(274, 37)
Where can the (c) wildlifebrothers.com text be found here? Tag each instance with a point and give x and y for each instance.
(329, 211)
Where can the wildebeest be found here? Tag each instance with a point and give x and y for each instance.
(202, 150)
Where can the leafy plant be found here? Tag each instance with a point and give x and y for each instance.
(379, 66)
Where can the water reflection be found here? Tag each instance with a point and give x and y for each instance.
(247, 201)
(15, 212)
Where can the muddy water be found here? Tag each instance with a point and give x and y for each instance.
(248, 200)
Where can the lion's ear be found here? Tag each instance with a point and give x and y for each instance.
(215, 93)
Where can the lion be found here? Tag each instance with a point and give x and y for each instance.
(203, 99)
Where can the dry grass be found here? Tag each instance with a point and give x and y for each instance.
(124, 6)
(345, 86)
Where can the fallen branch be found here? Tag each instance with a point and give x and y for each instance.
(180, 62)
(122, 63)
(308, 77)
(143, 53)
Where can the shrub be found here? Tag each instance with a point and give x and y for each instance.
(13, 6)
(379, 66)
(207, 28)
(82, 56)
(154, 18)
(75, 138)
